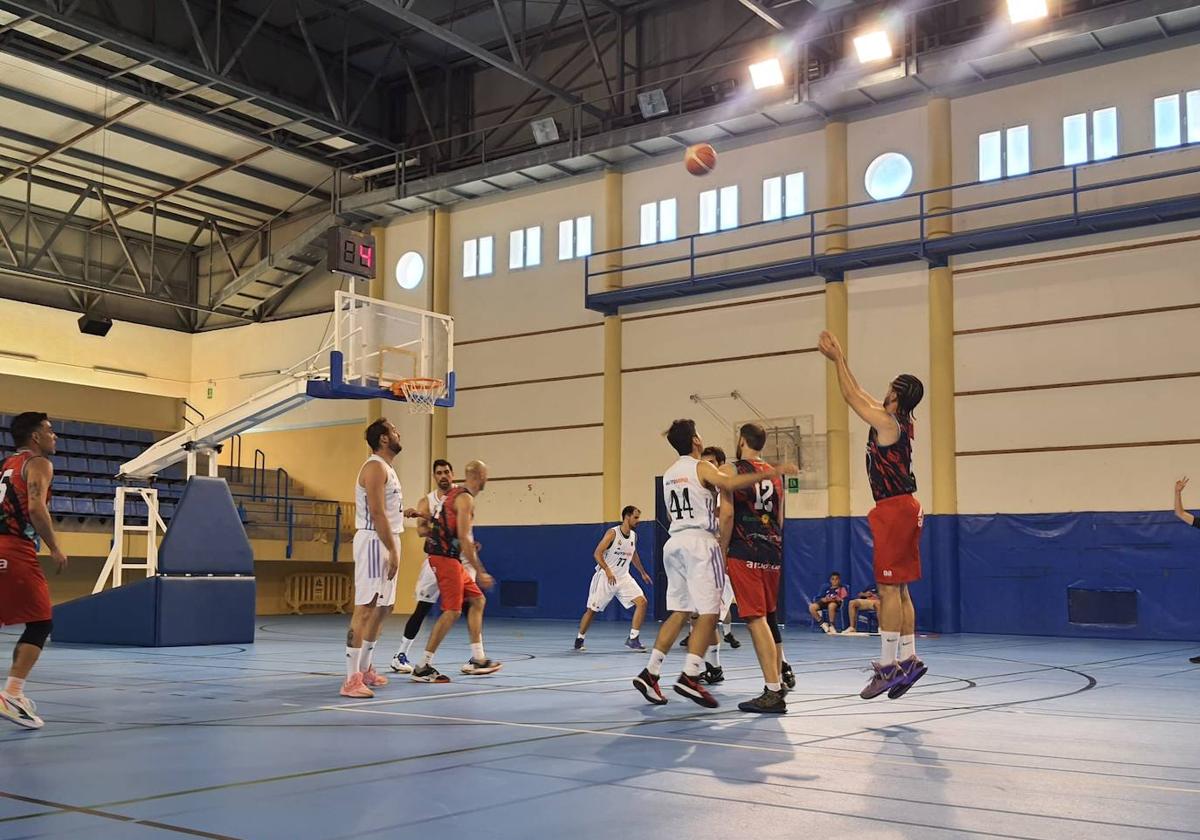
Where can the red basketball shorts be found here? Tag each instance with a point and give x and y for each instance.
(454, 582)
(896, 529)
(755, 587)
(24, 594)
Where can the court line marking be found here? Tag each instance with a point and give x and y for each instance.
(790, 750)
(63, 808)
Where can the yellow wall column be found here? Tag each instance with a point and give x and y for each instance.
(439, 256)
(613, 238)
(941, 318)
(837, 414)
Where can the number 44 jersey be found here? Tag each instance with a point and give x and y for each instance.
(690, 505)
(757, 530)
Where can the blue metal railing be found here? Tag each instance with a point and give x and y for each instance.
(922, 217)
(235, 456)
(258, 475)
(282, 476)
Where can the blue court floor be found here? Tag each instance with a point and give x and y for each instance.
(1013, 737)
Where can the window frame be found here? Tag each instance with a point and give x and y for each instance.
(1004, 135)
(476, 243)
(658, 206)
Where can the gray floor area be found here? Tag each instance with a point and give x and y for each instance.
(1014, 737)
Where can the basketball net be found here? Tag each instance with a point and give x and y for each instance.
(419, 393)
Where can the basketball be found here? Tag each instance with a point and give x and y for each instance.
(700, 159)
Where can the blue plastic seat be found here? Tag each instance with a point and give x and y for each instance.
(72, 429)
(104, 507)
(97, 467)
(92, 430)
(77, 465)
(60, 506)
(131, 450)
(94, 448)
(144, 436)
(110, 432)
(114, 450)
(83, 507)
(71, 446)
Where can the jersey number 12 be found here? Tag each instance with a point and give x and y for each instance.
(678, 508)
(764, 491)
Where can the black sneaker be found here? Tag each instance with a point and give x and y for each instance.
(712, 674)
(1195, 660)
(686, 638)
(789, 678)
(732, 641)
(429, 674)
(769, 702)
(647, 684)
(692, 689)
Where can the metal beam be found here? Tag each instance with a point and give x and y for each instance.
(513, 53)
(71, 141)
(599, 59)
(316, 60)
(120, 235)
(71, 113)
(762, 12)
(197, 38)
(457, 41)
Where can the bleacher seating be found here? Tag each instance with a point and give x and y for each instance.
(89, 456)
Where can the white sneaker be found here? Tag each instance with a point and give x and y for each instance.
(20, 710)
(850, 631)
(828, 628)
(401, 665)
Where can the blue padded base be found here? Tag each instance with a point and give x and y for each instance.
(162, 612)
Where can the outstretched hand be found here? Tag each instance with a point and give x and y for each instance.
(1180, 484)
(829, 346)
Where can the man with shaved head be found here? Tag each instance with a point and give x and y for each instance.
(450, 546)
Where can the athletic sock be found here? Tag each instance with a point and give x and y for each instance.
(713, 656)
(406, 645)
(693, 665)
(908, 647)
(428, 659)
(477, 651)
(581, 635)
(721, 629)
(367, 657)
(774, 686)
(14, 687)
(351, 661)
(633, 634)
(654, 666)
(891, 641)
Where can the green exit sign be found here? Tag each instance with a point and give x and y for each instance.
(793, 484)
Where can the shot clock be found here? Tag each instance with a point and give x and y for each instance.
(351, 252)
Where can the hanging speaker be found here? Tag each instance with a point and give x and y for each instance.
(95, 323)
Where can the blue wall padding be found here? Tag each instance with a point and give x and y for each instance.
(162, 612)
(206, 534)
(205, 611)
(1015, 571)
(126, 615)
(558, 557)
(999, 573)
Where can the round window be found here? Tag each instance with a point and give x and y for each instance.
(888, 176)
(410, 270)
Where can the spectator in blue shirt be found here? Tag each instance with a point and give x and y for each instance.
(829, 602)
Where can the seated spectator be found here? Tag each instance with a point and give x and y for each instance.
(829, 601)
(868, 599)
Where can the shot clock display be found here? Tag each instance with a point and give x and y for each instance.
(351, 252)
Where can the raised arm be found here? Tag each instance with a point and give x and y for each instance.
(38, 474)
(861, 403)
(731, 483)
(725, 515)
(1179, 511)
(604, 545)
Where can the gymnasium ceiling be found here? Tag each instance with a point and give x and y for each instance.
(141, 135)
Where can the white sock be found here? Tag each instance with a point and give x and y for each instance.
(654, 666)
(891, 641)
(406, 645)
(367, 657)
(351, 661)
(15, 687)
(428, 660)
(581, 635)
(713, 656)
(908, 647)
(721, 629)
(633, 634)
(774, 686)
(693, 665)
(477, 651)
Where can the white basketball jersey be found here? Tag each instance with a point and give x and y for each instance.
(620, 552)
(689, 503)
(393, 501)
(435, 503)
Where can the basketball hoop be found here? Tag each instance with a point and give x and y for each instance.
(421, 394)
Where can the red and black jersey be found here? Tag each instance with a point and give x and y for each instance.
(757, 531)
(890, 467)
(443, 537)
(14, 498)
